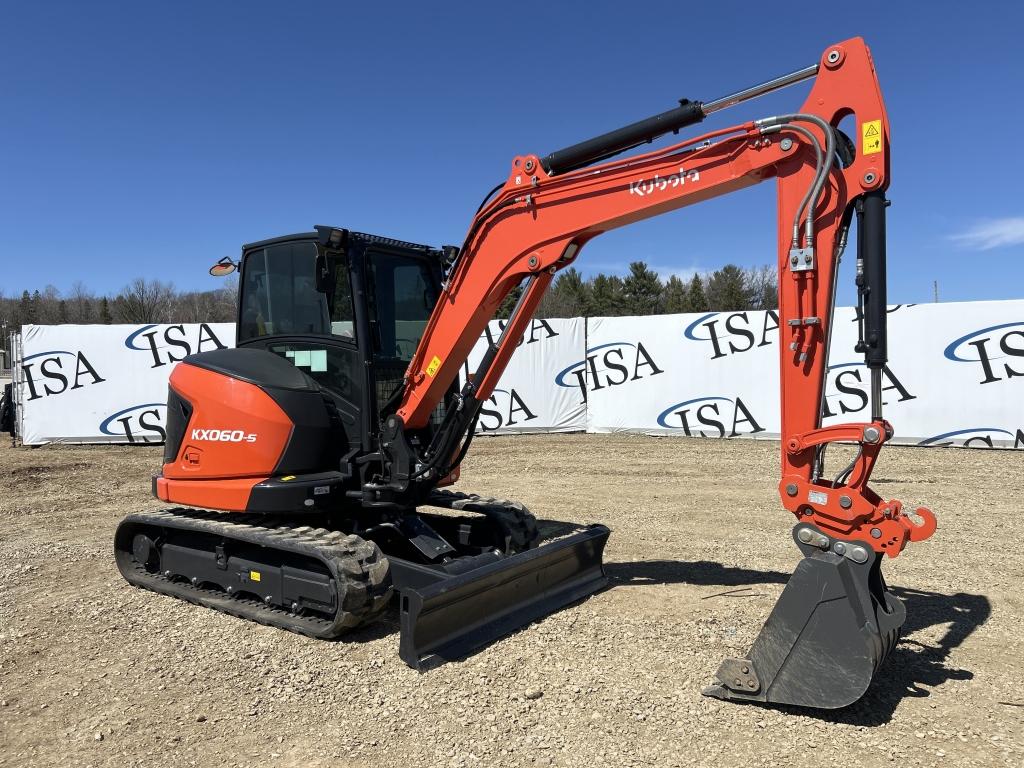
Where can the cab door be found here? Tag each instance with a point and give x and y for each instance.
(402, 289)
(296, 301)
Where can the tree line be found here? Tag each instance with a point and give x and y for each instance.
(640, 292)
(643, 292)
(141, 301)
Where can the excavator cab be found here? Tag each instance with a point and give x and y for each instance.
(345, 308)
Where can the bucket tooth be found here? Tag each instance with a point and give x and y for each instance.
(831, 629)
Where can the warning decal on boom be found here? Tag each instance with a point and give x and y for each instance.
(871, 131)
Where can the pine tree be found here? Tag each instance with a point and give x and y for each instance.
(573, 295)
(696, 297)
(505, 310)
(105, 316)
(675, 297)
(26, 309)
(728, 290)
(642, 290)
(608, 299)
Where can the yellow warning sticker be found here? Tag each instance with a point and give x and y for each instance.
(254, 576)
(435, 364)
(871, 132)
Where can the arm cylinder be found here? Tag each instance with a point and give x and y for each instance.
(871, 252)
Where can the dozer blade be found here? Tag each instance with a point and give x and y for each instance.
(451, 617)
(828, 634)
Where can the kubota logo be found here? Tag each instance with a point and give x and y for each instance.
(644, 187)
(224, 435)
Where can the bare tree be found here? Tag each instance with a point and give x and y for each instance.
(81, 304)
(764, 287)
(145, 301)
(195, 307)
(48, 306)
(227, 300)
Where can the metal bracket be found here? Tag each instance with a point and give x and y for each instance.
(739, 675)
(801, 259)
(424, 538)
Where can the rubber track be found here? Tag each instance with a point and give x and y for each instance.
(517, 522)
(361, 573)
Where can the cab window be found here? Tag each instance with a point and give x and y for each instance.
(402, 293)
(280, 296)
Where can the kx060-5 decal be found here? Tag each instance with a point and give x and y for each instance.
(224, 435)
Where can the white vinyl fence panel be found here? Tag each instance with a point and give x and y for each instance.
(955, 377)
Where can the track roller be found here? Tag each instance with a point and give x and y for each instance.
(305, 579)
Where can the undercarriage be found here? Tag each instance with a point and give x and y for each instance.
(466, 574)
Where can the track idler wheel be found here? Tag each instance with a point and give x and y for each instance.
(828, 634)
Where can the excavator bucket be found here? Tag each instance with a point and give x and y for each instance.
(446, 618)
(828, 634)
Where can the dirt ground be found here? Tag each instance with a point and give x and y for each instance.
(96, 673)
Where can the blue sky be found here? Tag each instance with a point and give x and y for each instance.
(150, 139)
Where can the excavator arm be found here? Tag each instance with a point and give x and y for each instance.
(547, 211)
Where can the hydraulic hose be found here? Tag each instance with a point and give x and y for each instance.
(822, 171)
(818, 161)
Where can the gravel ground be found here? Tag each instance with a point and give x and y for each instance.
(96, 673)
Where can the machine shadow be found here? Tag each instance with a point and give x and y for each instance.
(913, 667)
(701, 573)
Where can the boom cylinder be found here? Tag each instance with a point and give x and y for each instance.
(621, 139)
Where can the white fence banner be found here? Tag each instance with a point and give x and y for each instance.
(528, 397)
(104, 383)
(956, 375)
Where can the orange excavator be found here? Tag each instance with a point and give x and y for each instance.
(309, 465)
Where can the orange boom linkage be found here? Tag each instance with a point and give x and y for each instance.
(539, 222)
(550, 207)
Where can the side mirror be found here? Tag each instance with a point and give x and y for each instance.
(223, 267)
(449, 255)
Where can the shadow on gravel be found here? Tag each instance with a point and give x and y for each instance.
(703, 573)
(914, 667)
(911, 669)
